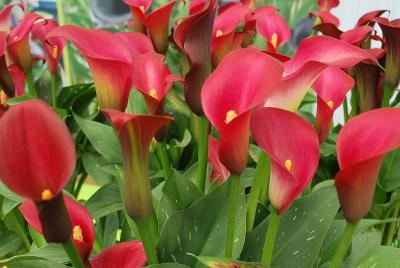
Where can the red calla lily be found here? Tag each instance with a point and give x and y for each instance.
(6, 82)
(155, 23)
(82, 224)
(108, 59)
(360, 155)
(331, 87)
(308, 63)
(219, 171)
(34, 136)
(5, 14)
(52, 52)
(193, 37)
(137, 43)
(153, 79)
(294, 154)
(18, 42)
(18, 78)
(135, 133)
(196, 6)
(369, 16)
(129, 254)
(327, 4)
(326, 17)
(244, 79)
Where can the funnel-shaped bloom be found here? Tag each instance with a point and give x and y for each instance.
(391, 33)
(360, 155)
(35, 137)
(153, 79)
(155, 23)
(137, 43)
(243, 80)
(5, 14)
(52, 52)
(294, 153)
(108, 59)
(135, 133)
(219, 171)
(127, 254)
(18, 42)
(193, 37)
(6, 82)
(82, 232)
(308, 63)
(331, 87)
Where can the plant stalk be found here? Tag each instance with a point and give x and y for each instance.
(270, 237)
(233, 203)
(202, 153)
(387, 92)
(73, 254)
(66, 54)
(144, 227)
(261, 177)
(343, 245)
(54, 90)
(30, 83)
(163, 154)
(345, 110)
(392, 227)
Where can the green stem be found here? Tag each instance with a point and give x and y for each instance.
(144, 227)
(270, 237)
(73, 254)
(392, 227)
(54, 90)
(233, 203)
(31, 86)
(344, 244)
(163, 154)
(345, 110)
(261, 177)
(387, 93)
(354, 102)
(66, 55)
(202, 153)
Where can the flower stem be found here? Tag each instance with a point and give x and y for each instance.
(66, 55)
(233, 203)
(202, 153)
(387, 92)
(73, 254)
(54, 90)
(261, 177)
(144, 227)
(270, 237)
(392, 226)
(345, 110)
(343, 245)
(31, 86)
(354, 102)
(163, 155)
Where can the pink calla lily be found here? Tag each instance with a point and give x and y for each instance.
(219, 171)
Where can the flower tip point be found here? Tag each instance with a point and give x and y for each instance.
(46, 195)
(230, 115)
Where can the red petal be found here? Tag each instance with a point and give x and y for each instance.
(225, 44)
(326, 17)
(137, 43)
(367, 17)
(272, 24)
(309, 61)
(229, 20)
(328, 29)
(127, 254)
(219, 171)
(157, 26)
(79, 217)
(193, 36)
(243, 79)
(300, 145)
(331, 87)
(108, 59)
(196, 6)
(5, 14)
(357, 35)
(138, 9)
(327, 4)
(149, 74)
(6, 82)
(36, 138)
(360, 155)
(18, 78)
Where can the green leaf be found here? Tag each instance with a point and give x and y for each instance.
(19, 99)
(201, 229)
(167, 265)
(390, 170)
(301, 231)
(105, 201)
(7, 193)
(95, 166)
(381, 257)
(225, 263)
(136, 103)
(110, 228)
(178, 194)
(102, 137)
(10, 242)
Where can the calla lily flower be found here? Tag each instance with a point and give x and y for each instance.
(193, 36)
(82, 233)
(391, 33)
(369, 80)
(196, 6)
(5, 14)
(127, 254)
(369, 16)
(308, 63)
(135, 133)
(34, 135)
(324, 13)
(18, 42)
(294, 154)
(111, 64)
(137, 43)
(18, 78)
(153, 79)
(219, 171)
(331, 87)
(52, 52)
(6, 82)
(243, 80)
(360, 155)
(155, 23)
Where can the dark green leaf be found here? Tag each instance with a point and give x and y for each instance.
(225, 263)
(390, 170)
(10, 242)
(105, 201)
